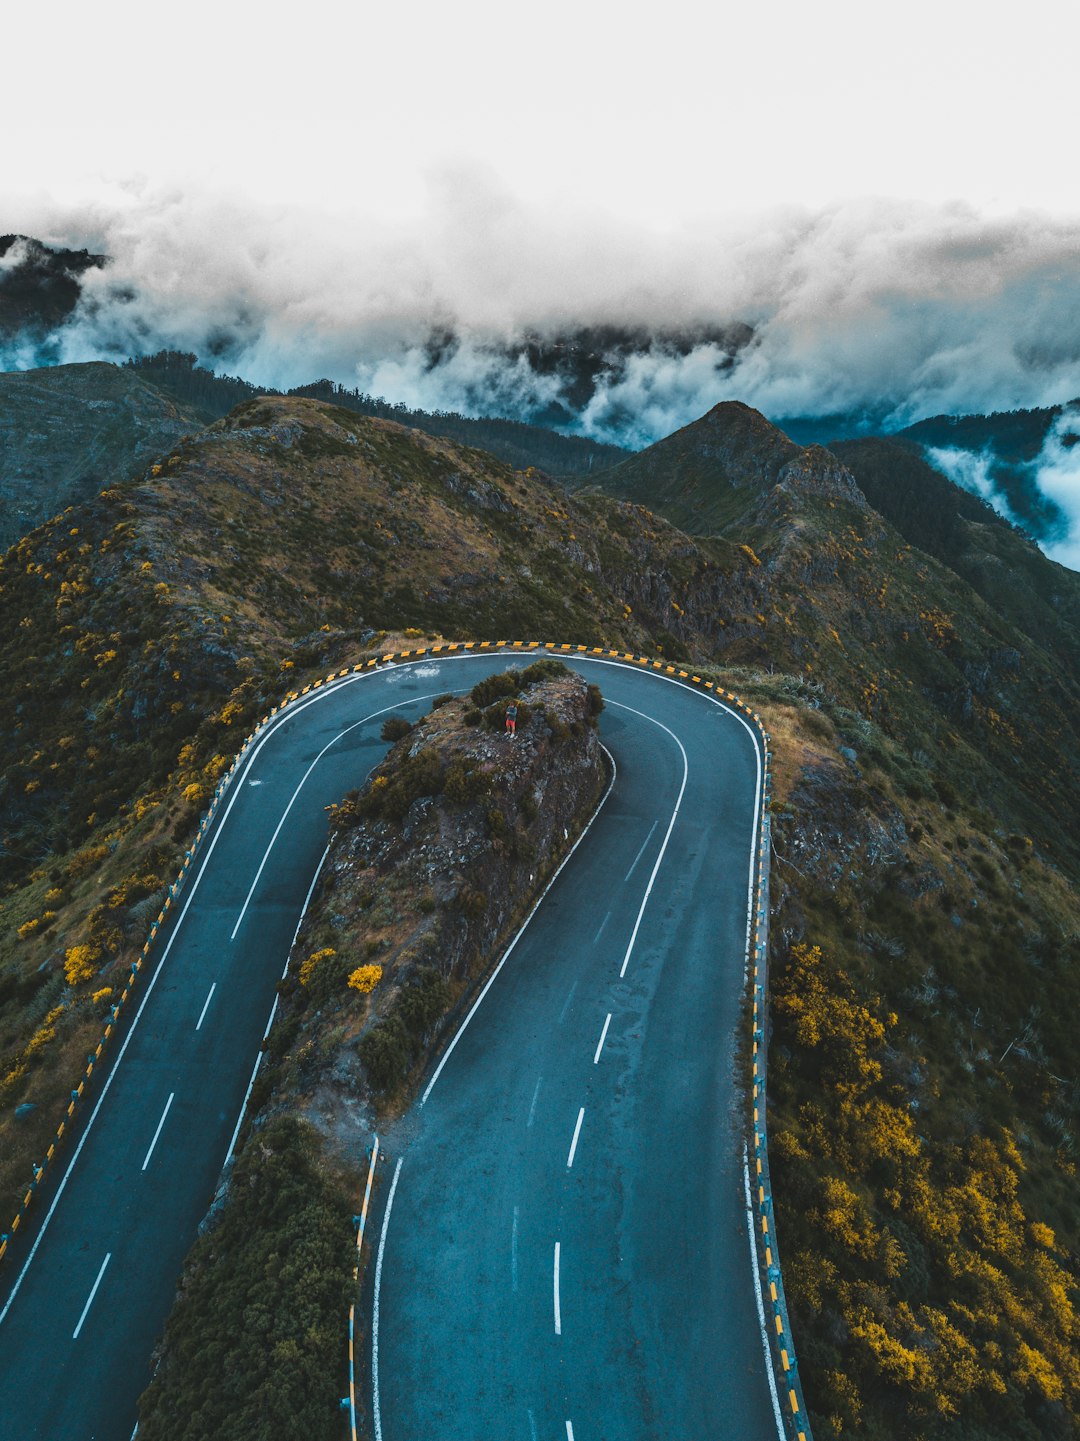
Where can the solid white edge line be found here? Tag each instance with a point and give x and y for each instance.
(558, 1312)
(206, 1007)
(157, 1133)
(573, 1143)
(376, 1414)
(90, 1298)
(667, 836)
(514, 1250)
(603, 1038)
(758, 1283)
(506, 954)
(359, 1245)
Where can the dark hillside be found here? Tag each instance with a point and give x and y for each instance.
(68, 430)
(519, 445)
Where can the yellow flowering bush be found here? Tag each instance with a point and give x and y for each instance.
(79, 963)
(365, 978)
(307, 968)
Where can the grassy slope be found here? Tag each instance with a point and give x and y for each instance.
(922, 1093)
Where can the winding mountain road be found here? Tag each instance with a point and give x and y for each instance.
(563, 1243)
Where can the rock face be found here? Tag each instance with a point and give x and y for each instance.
(431, 866)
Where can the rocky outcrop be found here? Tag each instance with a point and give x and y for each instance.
(432, 864)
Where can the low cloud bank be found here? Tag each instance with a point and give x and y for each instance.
(874, 311)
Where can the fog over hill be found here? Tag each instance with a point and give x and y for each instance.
(858, 318)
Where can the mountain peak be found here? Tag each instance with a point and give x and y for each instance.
(714, 471)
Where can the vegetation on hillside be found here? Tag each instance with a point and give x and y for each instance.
(922, 1094)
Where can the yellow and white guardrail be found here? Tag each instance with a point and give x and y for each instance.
(783, 1350)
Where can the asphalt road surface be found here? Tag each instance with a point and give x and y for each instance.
(566, 1254)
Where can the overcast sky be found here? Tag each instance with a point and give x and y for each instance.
(661, 115)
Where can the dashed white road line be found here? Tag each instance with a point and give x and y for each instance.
(206, 1007)
(532, 1106)
(90, 1298)
(573, 1143)
(603, 1038)
(603, 923)
(566, 1003)
(640, 853)
(558, 1312)
(157, 1133)
(569, 1432)
(514, 1251)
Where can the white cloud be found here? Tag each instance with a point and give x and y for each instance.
(1057, 473)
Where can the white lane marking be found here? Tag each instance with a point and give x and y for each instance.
(758, 1281)
(157, 1133)
(376, 1414)
(640, 853)
(303, 780)
(603, 1037)
(271, 730)
(603, 923)
(558, 1313)
(566, 1003)
(569, 1432)
(577, 1133)
(532, 1107)
(506, 954)
(206, 1007)
(93, 1293)
(667, 837)
(273, 1008)
(514, 1251)
(532, 1425)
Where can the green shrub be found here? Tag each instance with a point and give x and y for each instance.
(464, 782)
(394, 728)
(392, 1046)
(492, 687)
